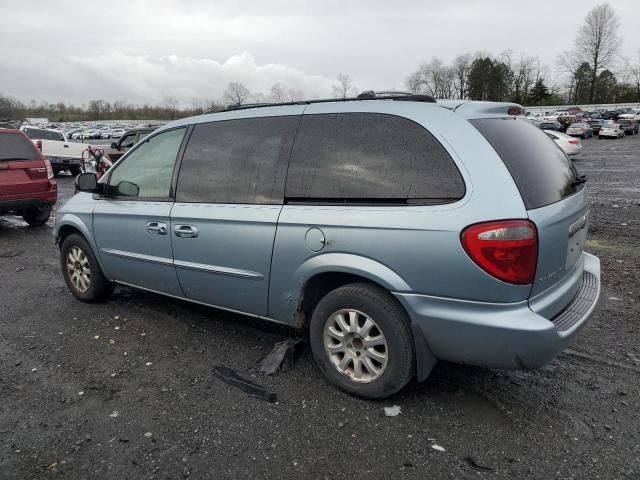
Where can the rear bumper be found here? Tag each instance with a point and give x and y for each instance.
(64, 162)
(499, 335)
(20, 203)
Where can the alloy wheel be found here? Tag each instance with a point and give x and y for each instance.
(355, 345)
(78, 269)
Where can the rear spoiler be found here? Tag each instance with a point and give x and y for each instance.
(476, 109)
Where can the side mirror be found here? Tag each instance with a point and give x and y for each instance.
(114, 145)
(87, 182)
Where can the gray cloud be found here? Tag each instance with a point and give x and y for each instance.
(140, 51)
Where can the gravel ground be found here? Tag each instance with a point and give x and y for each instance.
(126, 389)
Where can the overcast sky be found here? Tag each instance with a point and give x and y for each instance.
(140, 51)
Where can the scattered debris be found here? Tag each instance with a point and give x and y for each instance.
(81, 393)
(392, 411)
(438, 448)
(114, 414)
(97, 337)
(148, 434)
(148, 364)
(280, 357)
(617, 299)
(475, 465)
(34, 369)
(117, 317)
(234, 380)
(112, 342)
(117, 328)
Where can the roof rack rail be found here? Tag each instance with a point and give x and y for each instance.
(365, 95)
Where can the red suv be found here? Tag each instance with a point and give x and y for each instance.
(27, 187)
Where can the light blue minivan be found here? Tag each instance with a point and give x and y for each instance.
(398, 230)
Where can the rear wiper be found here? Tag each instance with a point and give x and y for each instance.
(579, 180)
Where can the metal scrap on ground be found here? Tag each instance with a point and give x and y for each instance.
(234, 380)
(280, 357)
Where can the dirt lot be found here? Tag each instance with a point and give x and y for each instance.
(126, 389)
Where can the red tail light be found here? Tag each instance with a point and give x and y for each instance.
(574, 142)
(39, 144)
(47, 164)
(507, 250)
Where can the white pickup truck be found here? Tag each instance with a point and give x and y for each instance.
(61, 153)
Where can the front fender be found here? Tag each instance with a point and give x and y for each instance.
(83, 223)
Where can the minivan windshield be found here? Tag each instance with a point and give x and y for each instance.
(540, 169)
(14, 146)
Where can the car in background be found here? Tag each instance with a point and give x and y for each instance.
(104, 134)
(127, 140)
(582, 130)
(27, 187)
(611, 130)
(54, 145)
(550, 125)
(633, 113)
(117, 133)
(568, 144)
(629, 125)
(595, 125)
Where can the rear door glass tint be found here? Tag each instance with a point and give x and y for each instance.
(14, 146)
(237, 161)
(370, 158)
(541, 171)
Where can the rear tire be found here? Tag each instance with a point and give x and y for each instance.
(81, 270)
(362, 342)
(37, 216)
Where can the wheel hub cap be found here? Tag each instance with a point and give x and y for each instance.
(355, 345)
(78, 269)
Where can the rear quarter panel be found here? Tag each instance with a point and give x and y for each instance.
(404, 248)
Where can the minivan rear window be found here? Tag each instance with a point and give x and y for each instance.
(540, 169)
(14, 146)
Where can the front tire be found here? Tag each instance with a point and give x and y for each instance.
(362, 342)
(81, 270)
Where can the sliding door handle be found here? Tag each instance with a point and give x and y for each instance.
(157, 228)
(185, 231)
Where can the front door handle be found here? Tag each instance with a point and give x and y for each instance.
(157, 228)
(185, 231)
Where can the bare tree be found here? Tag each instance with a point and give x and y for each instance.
(171, 104)
(633, 71)
(278, 93)
(344, 88)
(461, 69)
(597, 41)
(236, 94)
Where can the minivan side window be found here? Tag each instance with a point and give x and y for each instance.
(369, 158)
(237, 161)
(147, 171)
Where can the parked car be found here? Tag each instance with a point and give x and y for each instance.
(54, 145)
(27, 187)
(400, 232)
(633, 113)
(550, 125)
(117, 133)
(568, 144)
(611, 130)
(582, 130)
(629, 126)
(127, 141)
(595, 125)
